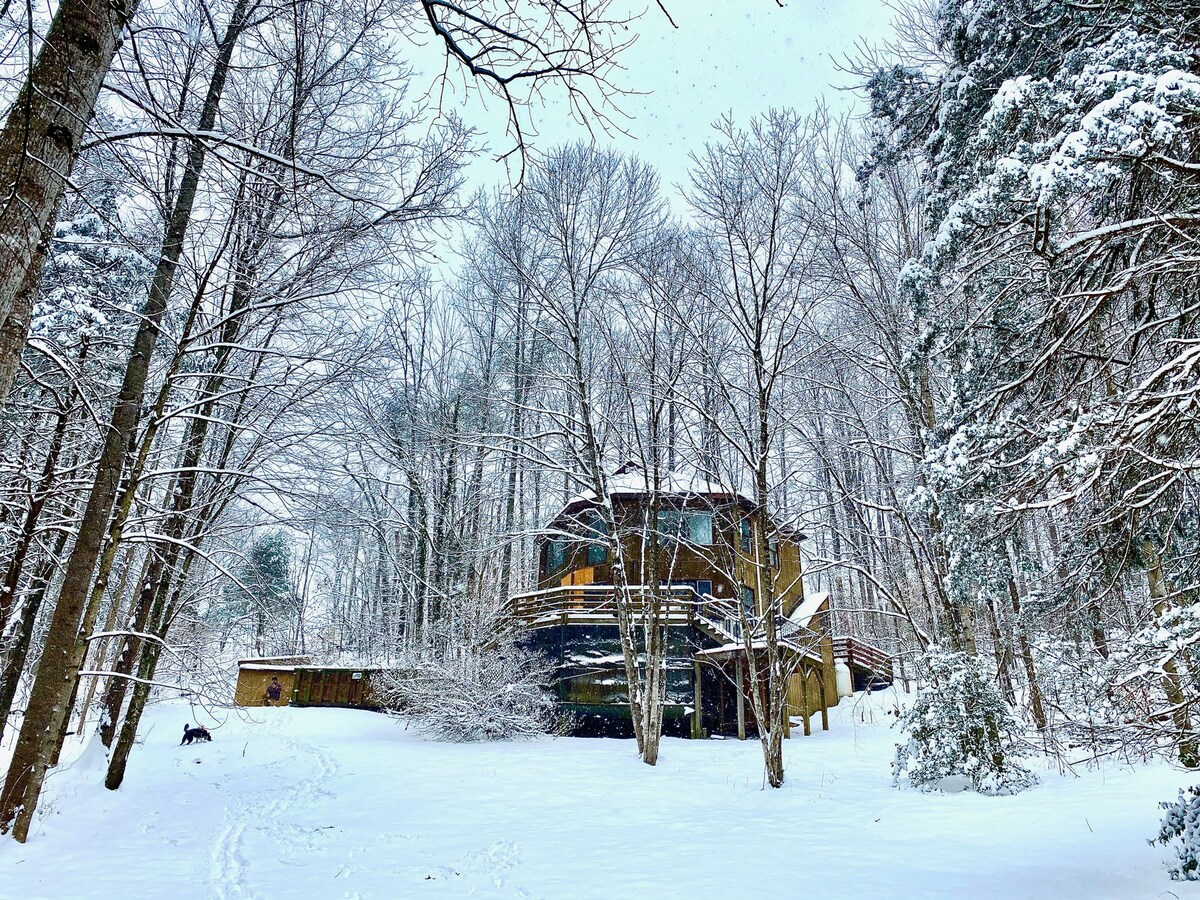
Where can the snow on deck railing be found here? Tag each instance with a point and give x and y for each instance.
(586, 600)
(681, 604)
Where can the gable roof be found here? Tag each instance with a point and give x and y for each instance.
(630, 481)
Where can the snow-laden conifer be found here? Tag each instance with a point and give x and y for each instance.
(960, 733)
(1180, 830)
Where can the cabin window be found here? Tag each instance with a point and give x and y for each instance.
(556, 555)
(693, 527)
(774, 548)
(748, 600)
(745, 535)
(700, 528)
(597, 552)
(704, 587)
(670, 524)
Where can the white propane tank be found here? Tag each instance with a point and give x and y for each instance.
(845, 683)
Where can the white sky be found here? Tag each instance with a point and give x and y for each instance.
(741, 55)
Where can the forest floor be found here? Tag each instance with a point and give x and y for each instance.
(314, 803)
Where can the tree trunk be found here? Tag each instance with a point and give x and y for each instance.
(161, 617)
(133, 717)
(126, 656)
(100, 652)
(14, 662)
(1188, 740)
(62, 654)
(38, 147)
(1036, 705)
(37, 503)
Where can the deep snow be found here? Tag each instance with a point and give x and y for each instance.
(314, 803)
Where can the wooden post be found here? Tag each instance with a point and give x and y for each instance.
(824, 702)
(697, 723)
(741, 702)
(805, 706)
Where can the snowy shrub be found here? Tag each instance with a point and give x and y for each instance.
(960, 729)
(1082, 708)
(479, 695)
(1181, 829)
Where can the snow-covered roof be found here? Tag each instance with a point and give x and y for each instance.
(631, 480)
(287, 661)
(263, 667)
(803, 613)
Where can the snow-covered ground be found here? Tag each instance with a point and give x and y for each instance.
(312, 803)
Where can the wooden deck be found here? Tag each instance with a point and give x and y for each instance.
(859, 654)
(595, 604)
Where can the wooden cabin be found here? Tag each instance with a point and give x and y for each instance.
(702, 539)
(304, 684)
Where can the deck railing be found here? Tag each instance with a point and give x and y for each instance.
(859, 653)
(678, 605)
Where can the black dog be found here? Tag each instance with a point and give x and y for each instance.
(199, 733)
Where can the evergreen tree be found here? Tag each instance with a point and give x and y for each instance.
(262, 594)
(960, 732)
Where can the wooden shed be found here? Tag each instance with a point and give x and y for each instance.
(334, 686)
(254, 675)
(305, 684)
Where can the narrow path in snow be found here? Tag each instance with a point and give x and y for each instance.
(269, 818)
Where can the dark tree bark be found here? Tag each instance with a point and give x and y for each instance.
(14, 662)
(38, 147)
(65, 642)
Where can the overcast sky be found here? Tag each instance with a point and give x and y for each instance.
(741, 55)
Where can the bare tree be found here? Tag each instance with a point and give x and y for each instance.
(571, 243)
(751, 194)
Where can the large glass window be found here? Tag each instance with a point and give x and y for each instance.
(693, 527)
(556, 555)
(670, 524)
(748, 600)
(745, 535)
(597, 551)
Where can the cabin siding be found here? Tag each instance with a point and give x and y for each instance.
(305, 685)
(349, 688)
